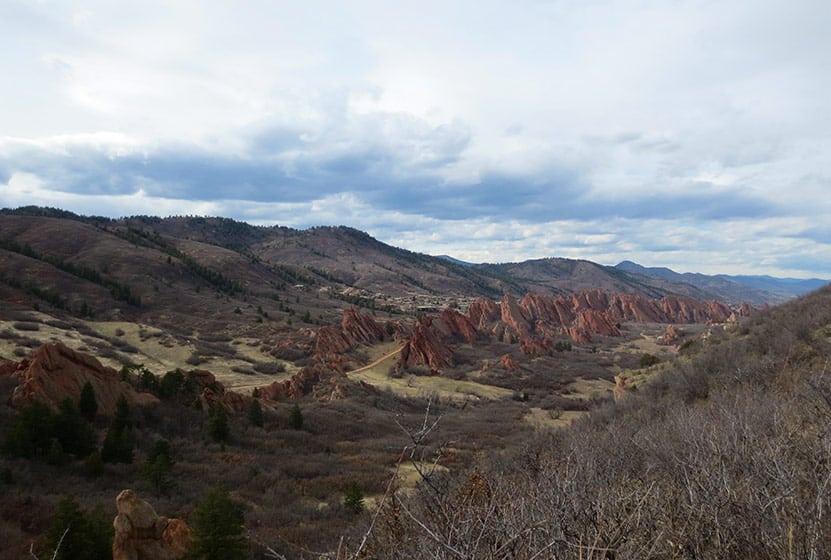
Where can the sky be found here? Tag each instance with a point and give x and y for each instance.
(688, 134)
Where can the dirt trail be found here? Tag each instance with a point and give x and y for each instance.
(376, 362)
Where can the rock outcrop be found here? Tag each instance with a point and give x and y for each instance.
(141, 534)
(360, 328)
(534, 347)
(325, 382)
(583, 315)
(54, 372)
(331, 340)
(452, 324)
(212, 393)
(507, 362)
(425, 347)
(671, 336)
(355, 328)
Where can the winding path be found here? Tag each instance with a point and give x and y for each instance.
(376, 362)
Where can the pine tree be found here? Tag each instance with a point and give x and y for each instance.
(88, 405)
(255, 413)
(82, 535)
(123, 418)
(296, 418)
(218, 528)
(72, 431)
(31, 432)
(157, 468)
(218, 425)
(354, 498)
(94, 465)
(120, 440)
(55, 456)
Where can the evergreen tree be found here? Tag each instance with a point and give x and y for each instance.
(123, 418)
(94, 465)
(81, 535)
(353, 499)
(147, 381)
(255, 413)
(172, 383)
(156, 470)
(295, 418)
(218, 528)
(55, 456)
(218, 425)
(120, 440)
(31, 432)
(88, 405)
(72, 431)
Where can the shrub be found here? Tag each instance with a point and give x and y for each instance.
(562, 346)
(648, 360)
(269, 367)
(353, 498)
(94, 465)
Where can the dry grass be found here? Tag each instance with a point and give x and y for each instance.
(377, 375)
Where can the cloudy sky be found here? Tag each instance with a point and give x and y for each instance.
(690, 134)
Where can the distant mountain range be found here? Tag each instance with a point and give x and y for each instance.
(752, 289)
(183, 263)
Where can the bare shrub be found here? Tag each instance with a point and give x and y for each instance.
(269, 368)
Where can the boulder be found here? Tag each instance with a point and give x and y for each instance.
(141, 534)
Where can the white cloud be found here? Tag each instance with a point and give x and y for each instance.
(403, 111)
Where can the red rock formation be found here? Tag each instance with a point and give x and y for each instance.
(507, 362)
(54, 372)
(534, 347)
(745, 310)
(452, 324)
(140, 534)
(483, 313)
(596, 322)
(514, 316)
(585, 314)
(331, 340)
(360, 328)
(355, 328)
(671, 336)
(621, 387)
(213, 393)
(318, 378)
(425, 347)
